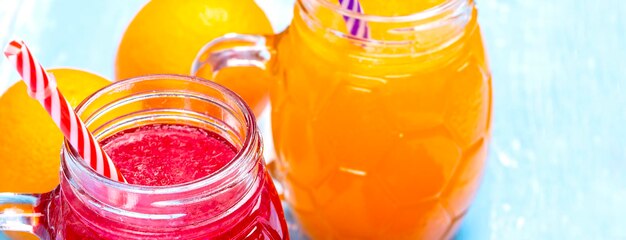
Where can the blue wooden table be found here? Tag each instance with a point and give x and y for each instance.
(557, 166)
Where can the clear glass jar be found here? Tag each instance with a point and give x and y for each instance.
(237, 202)
(377, 137)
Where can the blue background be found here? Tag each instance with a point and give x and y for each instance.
(557, 163)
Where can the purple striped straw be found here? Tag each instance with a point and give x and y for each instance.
(357, 27)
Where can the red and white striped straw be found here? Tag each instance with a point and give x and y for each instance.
(356, 27)
(42, 86)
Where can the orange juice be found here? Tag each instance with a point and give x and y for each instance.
(381, 139)
(380, 135)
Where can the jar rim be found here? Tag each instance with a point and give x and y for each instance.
(243, 159)
(436, 10)
(401, 36)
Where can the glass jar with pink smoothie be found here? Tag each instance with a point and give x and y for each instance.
(191, 153)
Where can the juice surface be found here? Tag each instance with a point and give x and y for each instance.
(385, 149)
(160, 155)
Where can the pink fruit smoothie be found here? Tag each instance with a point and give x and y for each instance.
(165, 155)
(162, 155)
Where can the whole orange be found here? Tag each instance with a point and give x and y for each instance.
(166, 35)
(30, 142)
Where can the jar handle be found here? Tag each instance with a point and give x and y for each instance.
(235, 50)
(240, 50)
(18, 213)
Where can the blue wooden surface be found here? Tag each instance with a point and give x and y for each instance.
(557, 166)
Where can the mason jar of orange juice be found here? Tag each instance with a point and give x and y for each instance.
(379, 135)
